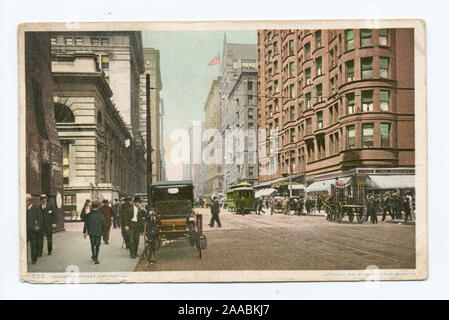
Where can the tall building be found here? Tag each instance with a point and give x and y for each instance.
(100, 159)
(97, 82)
(194, 167)
(238, 107)
(152, 66)
(335, 102)
(43, 149)
(214, 171)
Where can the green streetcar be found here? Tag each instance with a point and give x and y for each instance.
(240, 198)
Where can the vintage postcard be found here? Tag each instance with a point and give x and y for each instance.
(226, 151)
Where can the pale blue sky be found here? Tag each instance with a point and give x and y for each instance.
(186, 78)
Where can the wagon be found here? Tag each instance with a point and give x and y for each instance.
(344, 200)
(70, 213)
(173, 217)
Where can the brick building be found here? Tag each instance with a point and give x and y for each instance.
(340, 102)
(43, 150)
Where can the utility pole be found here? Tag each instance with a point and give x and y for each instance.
(149, 147)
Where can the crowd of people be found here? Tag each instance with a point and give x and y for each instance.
(126, 214)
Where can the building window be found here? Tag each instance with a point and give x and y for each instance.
(350, 102)
(104, 62)
(383, 37)
(270, 109)
(383, 67)
(269, 37)
(320, 119)
(367, 100)
(317, 39)
(78, 41)
(292, 135)
(365, 37)
(385, 135)
(307, 51)
(250, 85)
(65, 163)
(349, 71)
(276, 86)
(309, 126)
(95, 41)
(276, 105)
(367, 135)
(250, 114)
(250, 125)
(69, 41)
(308, 101)
(291, 47)
(319, 66)
(275, 47)
(349, 39)
(384, 100)
(291, 69)
(275, 66)
(292, 113)
(53, 40)
(351, 137)
(292, 91)
(367, 68)
(319, 92)
(270, 55)
(308, 76)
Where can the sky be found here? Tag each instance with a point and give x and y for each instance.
(186, 78)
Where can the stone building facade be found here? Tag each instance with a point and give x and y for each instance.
(152, 66)
(43, 150)
(100, 158)
(238, 107)
(335, 101)
(214, 171)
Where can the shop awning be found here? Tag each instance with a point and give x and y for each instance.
(390, 182)
(325, 185)
(264, 192)
(298, 187)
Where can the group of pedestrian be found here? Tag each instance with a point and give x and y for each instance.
(127, 214)
(41, 221)
(397, 206)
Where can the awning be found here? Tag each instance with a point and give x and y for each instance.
(264, 192)
(390, 182)
(298, 187)
(325, 185)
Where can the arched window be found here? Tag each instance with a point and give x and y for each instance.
(63, 114)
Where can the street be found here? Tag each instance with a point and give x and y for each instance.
(279, 242)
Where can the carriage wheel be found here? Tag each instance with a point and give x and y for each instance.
(360, 217)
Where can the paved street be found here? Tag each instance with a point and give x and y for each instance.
(281, 242)
(71, 249)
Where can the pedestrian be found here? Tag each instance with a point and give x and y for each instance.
(33, 224)
(406, 206)
(242, 205)
(386, 206)
(94, 227)
(410, 204)
(396, 206)
(115, 208)
(86, 209)
(49, 220)
(133, 221)
(319, 203)
(107, 213)
(215, 211)
(284, 205)
(260, 206)
(126, 204)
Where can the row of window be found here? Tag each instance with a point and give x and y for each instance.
(77, 41)
(368, 135)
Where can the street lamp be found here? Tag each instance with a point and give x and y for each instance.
(289, 174)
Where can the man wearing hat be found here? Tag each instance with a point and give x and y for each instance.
(107, 213)
(94, 227)
(33, 224)
(124, 205)
(133, 223)
(215, 210)
(115, 208)
(49, 220)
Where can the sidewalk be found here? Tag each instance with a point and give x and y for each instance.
(71, 249)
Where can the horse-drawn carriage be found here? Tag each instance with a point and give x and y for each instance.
(173, 217)
(345, 200)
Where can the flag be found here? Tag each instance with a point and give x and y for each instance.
(214, 61)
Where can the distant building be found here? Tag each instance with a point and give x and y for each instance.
(152, 66)
(43, 149)
(336, 103)
(214, 171)
(195, 167)
(100, 157)
(238, 107)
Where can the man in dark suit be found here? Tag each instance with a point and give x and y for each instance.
(49, 221)
(115, 209)
(215, 210)
(94, 226)
(33, 224)
(133, 223)
(107, 213)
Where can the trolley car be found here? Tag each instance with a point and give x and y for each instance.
(237, 193)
